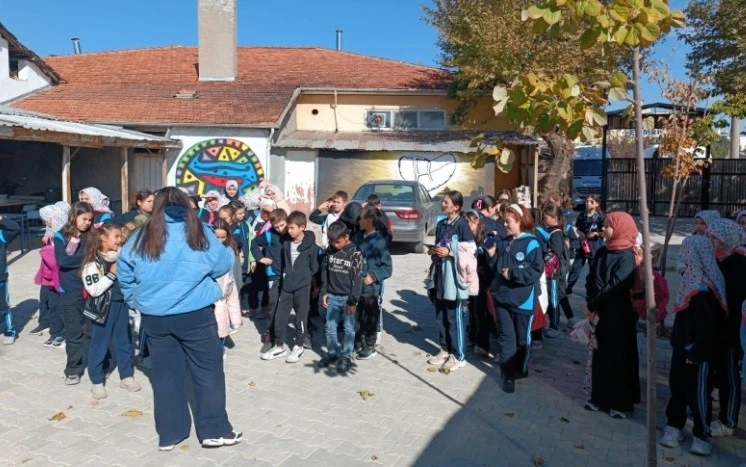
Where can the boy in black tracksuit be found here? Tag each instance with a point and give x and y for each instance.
(8, 232)
(341, 287)
(299, 264)
(377, 267)
(267, 251)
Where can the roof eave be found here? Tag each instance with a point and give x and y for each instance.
(88, 141)
(54, 77)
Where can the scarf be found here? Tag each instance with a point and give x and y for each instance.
(740, 215)
(54, 217)
(732, 236)
(708, 216)
(110, 256)
(625, 231)
(234, 184)
(99, 201)
(701, 271)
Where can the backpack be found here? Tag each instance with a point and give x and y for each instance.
(97, 308)
(552, 262)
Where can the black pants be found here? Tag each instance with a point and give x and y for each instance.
(514, 336)
(76, 340)
(297, 300)
(50, 311)
(481, 323)
(257, 293)
(729, 385)
(690, 386)
(369, 315)
(450, 316)
(272, 298)
(575, 270)
(175, 343)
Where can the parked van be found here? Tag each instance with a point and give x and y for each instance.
(587, 171)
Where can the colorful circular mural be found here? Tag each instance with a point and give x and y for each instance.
(211, 163)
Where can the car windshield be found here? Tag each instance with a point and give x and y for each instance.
(387, 192)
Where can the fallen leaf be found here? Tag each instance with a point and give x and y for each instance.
(564, 420)
(26, 460)
(278, 426)
(95, 403)
(510, 414)
(432, 369)
(57, 417)
(374, 458)
(670, 459)
(538, 461)
(184, 447)
(365, 394)
(579, 446)
(444, 370)
(132, 413)
(70, 407)
(395, 362)
(252, 384)
(417, 354)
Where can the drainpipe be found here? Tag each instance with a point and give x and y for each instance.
(339, 39)
(336, 123)
(76, 45)
(269, 148)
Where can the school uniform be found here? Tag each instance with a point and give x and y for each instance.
(481, 308)
(377, 264)
(9, 230)
(554, 242)
(515, 301)
(269, 245)
(76, 337)
(586, 225)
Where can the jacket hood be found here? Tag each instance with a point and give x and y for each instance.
(309, 240)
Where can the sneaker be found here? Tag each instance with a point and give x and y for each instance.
(571, 322)
(72, 380)
(439, 359)
(591, 406)
(9, 339)
(230, 439)
(701, 447)
(551, 333)
(481, 352)
(327, 360)
(170, 447)
(276, 352)
(379, 337)
(358, 347)
(38, 330)
(716, 394)
(344, 364)
(452, 364)
(295, 355)
(537, 345)
(719, 430)
(130, 384)
(266, 344)
(671, 437)
(98, 391)
(509, 385)
(58, 343)
(307, 342)
(617, 414)
(367, 353)
(49, 342)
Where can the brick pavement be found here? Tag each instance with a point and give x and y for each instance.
(298, 415)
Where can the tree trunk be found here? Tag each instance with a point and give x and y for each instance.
(735, 138)
(558, 178)
(647, 264)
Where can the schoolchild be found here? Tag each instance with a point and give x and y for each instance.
(230, 191)
(9, 230)
(333, 207)
(209, 212)
(481, 308)
(556, 263)
(100, 203)
(227, 309)
(589, 224)
(142, 203)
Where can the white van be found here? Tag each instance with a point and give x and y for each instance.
(587, 172)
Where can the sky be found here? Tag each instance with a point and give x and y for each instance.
(386, 28)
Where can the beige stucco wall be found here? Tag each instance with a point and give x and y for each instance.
(351, 110)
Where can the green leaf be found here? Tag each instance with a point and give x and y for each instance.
(617, 94)
(649, 32)
(621, 34)
(476, 141)
(570, 80)
(660, 6)
(633, 37)
(534, 12)
(573, 131)
(491, 150)
(553, 16)
(544, 123)
(589, 38)
(593, 8)
(618, 80)
(478, 161)
(619, 13)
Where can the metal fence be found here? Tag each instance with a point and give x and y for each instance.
(721, 186)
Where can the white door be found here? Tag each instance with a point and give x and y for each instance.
(300, 180)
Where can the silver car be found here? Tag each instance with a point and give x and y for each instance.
(409, 207)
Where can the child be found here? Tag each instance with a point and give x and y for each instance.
(377, 268)
(243, 236)
(703, 219)
(384, 226)
(99, 277)
(334, 207)
(341, 287)
(518, 270)
(700, 304)
(227, 309)
(9, 230)
(267, 249)
(481, 314)
(209, 213)
(741, 218)
(259, 287)
(589, 224)
(142, 204)
(48, 277)
(556, 264)
(660, 284)
(100, 203)
(69, 250)
(230, 191)
(298, 264)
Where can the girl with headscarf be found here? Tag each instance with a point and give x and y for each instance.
(741, 219)
(273, 192)
(48, 277)
(700, 306)
(615, 376)
(727, 242)
(100, 203)
(231, 190)
(209, 212)
(703, 219)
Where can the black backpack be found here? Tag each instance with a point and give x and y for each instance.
(97, 308)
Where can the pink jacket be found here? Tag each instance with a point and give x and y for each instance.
(228, 308)
(467, 266)
(48, 274)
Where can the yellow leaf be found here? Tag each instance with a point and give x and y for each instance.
(58, 417)
(617, 94)
(491, 150)
(633, 37)
(534, 12)
(132, 413)
(619, 13)
(621, 34)
(553, 16)
(365, 394)
(618, 80)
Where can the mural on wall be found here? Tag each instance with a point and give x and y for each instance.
(211, 163)
(436, 171)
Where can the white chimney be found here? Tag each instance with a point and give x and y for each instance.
(217, 40)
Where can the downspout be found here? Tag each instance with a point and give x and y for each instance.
(334, 106)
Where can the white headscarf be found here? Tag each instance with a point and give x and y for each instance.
(99, 201)
(54, 216)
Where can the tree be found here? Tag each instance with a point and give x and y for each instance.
(486, 43)
(715, 32)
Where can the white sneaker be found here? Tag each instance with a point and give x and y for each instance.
(9, 340)
(452, 364)
(481, 352)
(276, 352)
(130, 384)
(701, 447)
(439, 359)
(671, 437)
(719, 430)
(296, 354)
(98, 391)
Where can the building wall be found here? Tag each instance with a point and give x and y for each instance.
(351, 110)
(30, 78)
(347, 170)
(212, 156)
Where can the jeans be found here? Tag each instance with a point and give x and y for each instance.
(5, 314)
(175, 343)
(76, 334)
(116, 331)
(334, 312)
(450, 315)
(50, 311)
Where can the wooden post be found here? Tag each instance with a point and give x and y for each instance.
(535, 188)
(125, 181)
(164, 169)
(66, 191)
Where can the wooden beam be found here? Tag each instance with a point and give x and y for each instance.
(164, 169)
(125, 181)
(536, 175)
(66, 191)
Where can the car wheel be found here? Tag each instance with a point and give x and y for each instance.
(419, 247)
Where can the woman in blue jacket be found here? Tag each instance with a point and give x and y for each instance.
(167, 272)
(515, 291)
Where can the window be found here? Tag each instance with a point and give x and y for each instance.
(406, 119)
(387, 192)
(432, 120)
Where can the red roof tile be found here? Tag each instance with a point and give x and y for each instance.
(140, 85)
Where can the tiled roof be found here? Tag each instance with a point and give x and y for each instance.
(140, 85)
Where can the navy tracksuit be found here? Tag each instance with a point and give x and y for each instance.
(9, 229)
